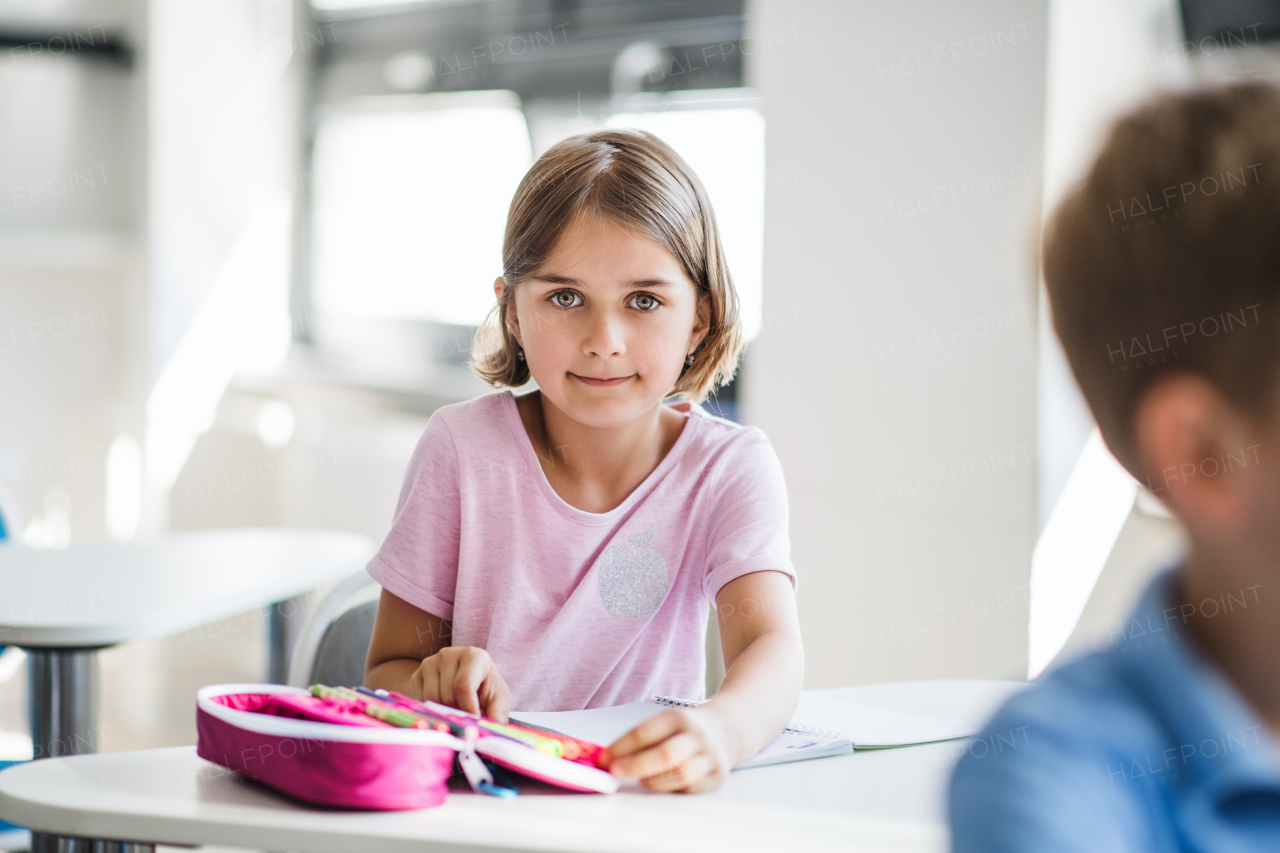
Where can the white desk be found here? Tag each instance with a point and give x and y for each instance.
(884, 800)
(62, 606)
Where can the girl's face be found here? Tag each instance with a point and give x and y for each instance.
(606, 323)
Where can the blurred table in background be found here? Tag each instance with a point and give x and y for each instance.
(62, 606)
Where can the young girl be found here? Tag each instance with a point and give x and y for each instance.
(557, 550)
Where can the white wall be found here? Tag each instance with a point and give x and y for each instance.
(225, 90)
(224, 99)
(895, 372)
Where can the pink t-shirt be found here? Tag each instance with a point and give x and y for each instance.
(581, 609)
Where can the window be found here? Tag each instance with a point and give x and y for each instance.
(720, 134)
(410, 201)
(411, 196)
(426, 117)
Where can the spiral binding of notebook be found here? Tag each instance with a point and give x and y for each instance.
(794, 728)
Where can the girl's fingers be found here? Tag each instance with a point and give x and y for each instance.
(660, 758)
(650, 732)
(466, 679)
(464, 693)
(687, 776)
(439, 683)
(446, 673)
(429, 675)
(707, 783)
(496, 697)
(470, 674)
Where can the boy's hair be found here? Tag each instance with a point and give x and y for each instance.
(1167, 256)
(635, 180)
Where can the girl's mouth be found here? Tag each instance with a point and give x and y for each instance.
(602, 381)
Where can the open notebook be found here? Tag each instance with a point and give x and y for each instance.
(823, 725)
(605, 725)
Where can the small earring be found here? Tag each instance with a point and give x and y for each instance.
(520, 355)
(690, 359)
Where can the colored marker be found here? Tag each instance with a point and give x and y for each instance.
(380, 711)
(549, 745)
(552, 743)
(438, 722)
(400, 710)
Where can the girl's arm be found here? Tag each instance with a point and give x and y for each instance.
(694, 749)
(410, 653)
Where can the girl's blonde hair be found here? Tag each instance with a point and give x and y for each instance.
(635, 180)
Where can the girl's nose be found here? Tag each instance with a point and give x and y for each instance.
(605, 336)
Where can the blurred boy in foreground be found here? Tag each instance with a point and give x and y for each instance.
(1163, 269)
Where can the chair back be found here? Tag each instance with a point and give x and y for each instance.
(322, 632)
(340, 657)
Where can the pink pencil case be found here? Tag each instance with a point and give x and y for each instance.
(263, 732)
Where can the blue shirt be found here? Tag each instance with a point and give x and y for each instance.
(1141, 746)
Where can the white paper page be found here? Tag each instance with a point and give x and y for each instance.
(606, 725)
(598, 725)
(790, 746)
(874, 727)
(868, 727)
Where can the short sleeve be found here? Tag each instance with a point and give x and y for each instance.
(750, 517)
(418, 561)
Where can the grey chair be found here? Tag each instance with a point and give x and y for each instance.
(340, 656)
(332, 645)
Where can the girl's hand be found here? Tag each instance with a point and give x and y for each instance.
(684, 749)
(464, 677)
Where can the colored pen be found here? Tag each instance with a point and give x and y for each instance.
(381, 711)
(416, 708)
(549, 745)
(552, 743)
(400, 710)
(524, 736)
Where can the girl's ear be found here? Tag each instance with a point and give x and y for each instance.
(512, 317)
(701, 322)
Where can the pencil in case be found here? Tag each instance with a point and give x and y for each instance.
(543, 740)
(511, 750)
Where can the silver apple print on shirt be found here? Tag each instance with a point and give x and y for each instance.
(633, 583)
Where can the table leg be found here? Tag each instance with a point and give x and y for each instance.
(284, 623)
(63, 700)
(43, 842)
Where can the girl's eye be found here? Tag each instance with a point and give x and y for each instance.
(565, 299)
(645, 301)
